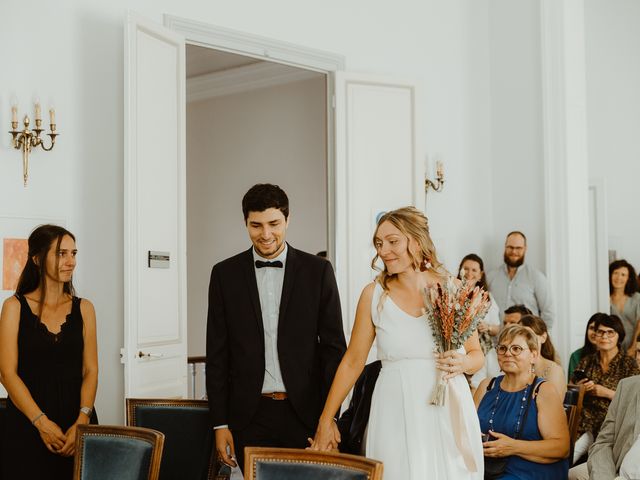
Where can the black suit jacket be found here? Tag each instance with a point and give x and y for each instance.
(354, 420)
(310, 337)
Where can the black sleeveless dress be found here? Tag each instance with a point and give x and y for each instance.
(50, 365)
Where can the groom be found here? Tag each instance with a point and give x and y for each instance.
(274, 335)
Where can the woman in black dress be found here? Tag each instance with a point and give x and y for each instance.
(48, 361)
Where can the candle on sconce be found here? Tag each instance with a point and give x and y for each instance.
(28, 138)
(439, 169)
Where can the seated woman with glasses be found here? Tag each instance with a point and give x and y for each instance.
(521, 415)
(602, 371)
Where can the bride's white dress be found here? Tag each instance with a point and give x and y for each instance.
(414, 439)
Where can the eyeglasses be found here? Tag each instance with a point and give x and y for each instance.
(514, 350)
(605, 333)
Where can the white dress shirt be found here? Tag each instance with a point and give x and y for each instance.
(270, 281)
(630, 468)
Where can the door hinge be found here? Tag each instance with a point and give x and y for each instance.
(122, 356)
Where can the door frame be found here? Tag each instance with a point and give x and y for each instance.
(263, 48)
(599, 248)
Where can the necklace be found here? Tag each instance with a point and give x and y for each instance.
(523, 402)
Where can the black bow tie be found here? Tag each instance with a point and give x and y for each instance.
(261, 264)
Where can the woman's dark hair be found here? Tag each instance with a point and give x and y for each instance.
(612, 321)
(521, 309)
(263, 196)
(40, 242)
(482, 283)
(631, 286)
(588, 348)
(547, 350)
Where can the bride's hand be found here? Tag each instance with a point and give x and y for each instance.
(451, 362)
(327, 436)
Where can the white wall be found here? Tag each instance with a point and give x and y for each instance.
(72, 51)
(613, 102)
(517, 194)
(274, 135)
(456, 120)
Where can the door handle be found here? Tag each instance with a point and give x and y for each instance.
(141, 354)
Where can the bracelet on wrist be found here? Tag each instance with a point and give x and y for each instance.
(36, 418)
(87, 411)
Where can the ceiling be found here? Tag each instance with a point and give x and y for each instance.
(202, 60)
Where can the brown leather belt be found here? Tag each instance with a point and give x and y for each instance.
(276, 395)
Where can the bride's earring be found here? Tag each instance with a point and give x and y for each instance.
(533, 368)
(427, 264)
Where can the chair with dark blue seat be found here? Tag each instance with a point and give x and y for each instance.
(105, 452)
(189, 452)
(266, 463)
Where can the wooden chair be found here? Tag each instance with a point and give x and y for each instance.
(573, 398)
(189, 450)
(265, 463)
(105, 452)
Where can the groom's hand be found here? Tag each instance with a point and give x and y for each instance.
(224, 439)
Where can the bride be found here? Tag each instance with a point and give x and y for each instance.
(414, 439)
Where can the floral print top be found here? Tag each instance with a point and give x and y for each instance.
(594, 409)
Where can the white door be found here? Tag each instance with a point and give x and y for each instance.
(376, 170)
(155, 330)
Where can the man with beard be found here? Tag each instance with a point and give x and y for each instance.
(517, 283)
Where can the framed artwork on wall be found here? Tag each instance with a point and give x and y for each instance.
(14, 232)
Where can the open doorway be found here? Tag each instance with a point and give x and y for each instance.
(248, 121)
(368, 122)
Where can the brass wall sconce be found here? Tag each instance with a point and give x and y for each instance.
(438, 184)
(26, 139)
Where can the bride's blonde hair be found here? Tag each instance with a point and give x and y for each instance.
(413, 224)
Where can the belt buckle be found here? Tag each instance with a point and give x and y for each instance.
(276, 395)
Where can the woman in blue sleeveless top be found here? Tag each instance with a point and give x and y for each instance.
(521, 415)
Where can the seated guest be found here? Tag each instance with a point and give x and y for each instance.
(472, 269)
(547, 366)
(618, 443)
(353, 421)
(616, 451)
(514, 313)
(603, 370)
(521, 413)
(589, 346)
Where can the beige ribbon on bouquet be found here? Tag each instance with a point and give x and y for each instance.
(460, 433)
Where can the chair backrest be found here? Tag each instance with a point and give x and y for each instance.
(189, 452)
(573, 398)
(105, 452)
(266, 463)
